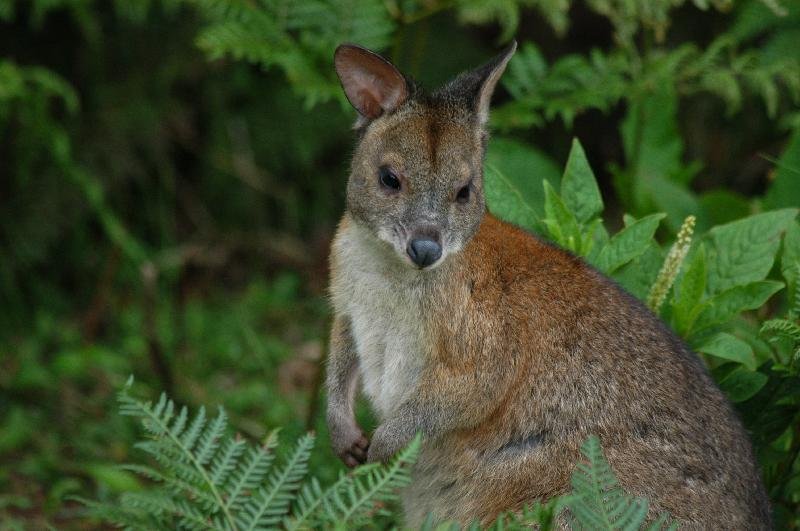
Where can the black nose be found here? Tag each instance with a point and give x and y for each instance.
(424, 251)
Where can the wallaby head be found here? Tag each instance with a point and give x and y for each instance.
(417, 173)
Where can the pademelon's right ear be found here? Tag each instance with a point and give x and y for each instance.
(371, 83)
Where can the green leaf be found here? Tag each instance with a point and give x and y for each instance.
(579, 187)
(638, 275)
(560, 222)
(785, 189)
(744, 251)
(507, 201)
(790, 262)
(598, 500)
(791, 248)
(597, 238)
(656, 176)
(731, 348)
(741, 384)
(689, 291)
(728, 304)
(629, 243)
(525, 167)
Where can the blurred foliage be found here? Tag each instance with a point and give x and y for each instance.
(171, 172)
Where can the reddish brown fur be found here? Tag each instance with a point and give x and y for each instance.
(575, 356)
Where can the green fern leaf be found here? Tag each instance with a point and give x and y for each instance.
(599, 502)
(174, 452)
(209, 440)
(189, 437)
(379, 484)
(251, 472)
(269, 505)
(202, 480)
(226, 459)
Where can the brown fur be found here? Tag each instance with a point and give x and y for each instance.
(509, 352)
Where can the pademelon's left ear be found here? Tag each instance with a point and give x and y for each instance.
(372, 84)
(477, 86)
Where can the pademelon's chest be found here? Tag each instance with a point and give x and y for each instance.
(388, 340)
(387, 326)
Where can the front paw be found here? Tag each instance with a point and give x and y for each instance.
(348, 442)
(386, 441)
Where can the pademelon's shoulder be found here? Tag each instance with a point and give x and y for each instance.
(502, 245)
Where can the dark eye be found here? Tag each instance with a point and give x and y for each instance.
(388, 179)
(463, 194)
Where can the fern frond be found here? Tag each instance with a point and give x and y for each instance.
(119, 515)
(308, 500)
(226, 459)
(539, 515)
(279, 33)
(379, 484)
(208, 442)
(269, 505)
(782, 328)
(787, 329)
(251, 472)
(202, 480)
(176, 485)
(189, 437)
(159, 502)
(174, 451)
(311, 498)
(598, 500)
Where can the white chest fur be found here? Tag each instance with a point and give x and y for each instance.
(383, 300)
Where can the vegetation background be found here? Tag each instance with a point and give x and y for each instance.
(171, 172)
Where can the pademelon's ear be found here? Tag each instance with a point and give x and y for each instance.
(372, 84)
(477, 86)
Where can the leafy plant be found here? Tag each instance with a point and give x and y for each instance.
(204, 479)
(201, 478)
(711, 281)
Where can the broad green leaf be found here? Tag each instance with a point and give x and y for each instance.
(591, 234)
(560, 222)
(638, 275)
(506, 201)
(650, 134)
(525, 167)
(599, 238)
(731, 348)
(744, 251)
(579, 187)
(730, 303)
(628, 243)
(689, 291)
(790, 262)
(785, 189)
(791, 248)
(741, 384)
